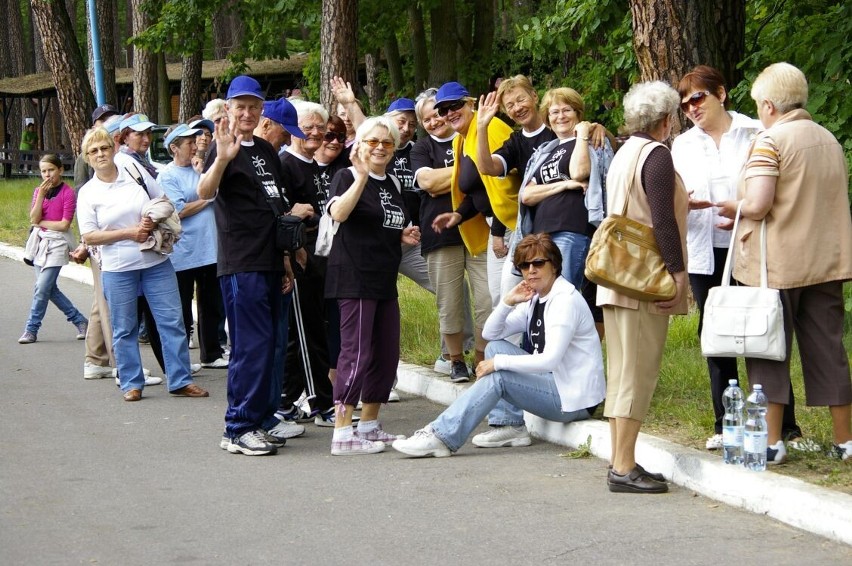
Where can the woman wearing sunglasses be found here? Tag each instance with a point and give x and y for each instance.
(361, 275)
(709, 158)
(477, 196)
(558, 378)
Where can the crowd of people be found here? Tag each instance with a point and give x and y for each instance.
(496, 221)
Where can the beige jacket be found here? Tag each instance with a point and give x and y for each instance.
(808, 228)
(617, 182)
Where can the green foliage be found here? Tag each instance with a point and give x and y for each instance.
(814, 36)
(583, 451)
(584, 44)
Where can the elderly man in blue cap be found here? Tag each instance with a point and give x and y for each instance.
(243, 174)
(277, 123)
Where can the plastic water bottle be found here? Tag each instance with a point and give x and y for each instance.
(732, 423)
(755, 438)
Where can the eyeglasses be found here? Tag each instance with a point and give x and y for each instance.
(339, 137)
(556, 112)
(538, 263)
(308, 129)
(387, 144)
(451, 107)
(101, 149)
(697, 99)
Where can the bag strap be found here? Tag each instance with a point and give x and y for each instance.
(729, 259)
(139, 179)
(633, 177)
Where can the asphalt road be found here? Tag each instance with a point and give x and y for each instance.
(86, 478)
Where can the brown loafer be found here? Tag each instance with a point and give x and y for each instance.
(133, 395)
(191, 390)
(634, 482)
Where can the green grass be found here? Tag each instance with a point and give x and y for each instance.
(681, 409)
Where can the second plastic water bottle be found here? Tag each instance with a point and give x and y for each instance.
(755, 438)
(732, 423)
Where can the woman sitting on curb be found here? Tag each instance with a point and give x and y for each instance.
(559, 378)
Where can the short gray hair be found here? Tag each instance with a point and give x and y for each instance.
(374, 122)
(782, 84)
(305, 109)
(214, 110)
(647, 104)
(421, 100)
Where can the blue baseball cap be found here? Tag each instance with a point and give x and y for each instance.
(179, 131)
(112, 124)
(103, 112)
(244, 85)
(283, 112)
(203, 124)
(401, 105)
(450, 92)
(137, 123)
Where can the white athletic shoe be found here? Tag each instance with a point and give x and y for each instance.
(499, 436)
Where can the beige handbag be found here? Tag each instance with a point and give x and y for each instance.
(624, 257)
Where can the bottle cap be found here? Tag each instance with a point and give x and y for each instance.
(758, 387)
(732, 382)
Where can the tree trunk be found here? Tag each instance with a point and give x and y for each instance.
(66, 63)
(39, 64)
(128, 31)
(394, 63)
(105, 10)
(338, 46)
(444, 43)
(190, 86)
(164, 92)
(371, 61)
(671, 37)
(144, 67)
(419, 50)
(483, 42)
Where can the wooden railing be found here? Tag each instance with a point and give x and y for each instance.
(23, 163)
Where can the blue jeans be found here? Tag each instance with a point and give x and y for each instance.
(159, 285)
(574, 248)
(532, 392)
(46, 290)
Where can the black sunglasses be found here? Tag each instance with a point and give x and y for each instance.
(537, 263)
(451, 107)
(696, 99)
(340, 137)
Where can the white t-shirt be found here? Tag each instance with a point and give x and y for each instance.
(112, 206)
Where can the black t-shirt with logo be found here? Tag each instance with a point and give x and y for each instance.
(435, 154)
(367, 250)
(536, 332)
(400, 166)
(303, 182)
(244, 219)
(327, 172)
(518, 149)
(566, 210)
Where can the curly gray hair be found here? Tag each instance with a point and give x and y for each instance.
(647, 104)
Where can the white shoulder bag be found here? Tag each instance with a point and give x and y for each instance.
(742, 321)
(325, 233)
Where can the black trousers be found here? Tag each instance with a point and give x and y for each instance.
(307, 345)
(208, 297)
(723, 369)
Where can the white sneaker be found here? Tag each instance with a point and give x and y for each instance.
(443, 365)
(393, 397)
(776, 453)
(844, 451)
(194, 368)
(192, 344)
(91, 371)
(499, 436)
(145, 371)
(149, 379)
(355, 446)
(422, 443)
(286, 429)
(218, 363)
(714, 442)
(252, 443)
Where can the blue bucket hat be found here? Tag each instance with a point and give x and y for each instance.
(401, 105)
(244, 85)
(282, 112)
(137, 123)
(450, 92)
(180, 131)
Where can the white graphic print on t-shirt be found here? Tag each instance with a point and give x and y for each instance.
(550, 171)
(394, 216)
(266, 179)
(402, 171)
(450, 159)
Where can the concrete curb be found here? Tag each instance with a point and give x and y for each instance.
(802, 505)
(799, 504)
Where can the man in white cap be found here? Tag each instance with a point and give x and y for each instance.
(243, 174)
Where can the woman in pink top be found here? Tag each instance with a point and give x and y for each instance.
(51, 213)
